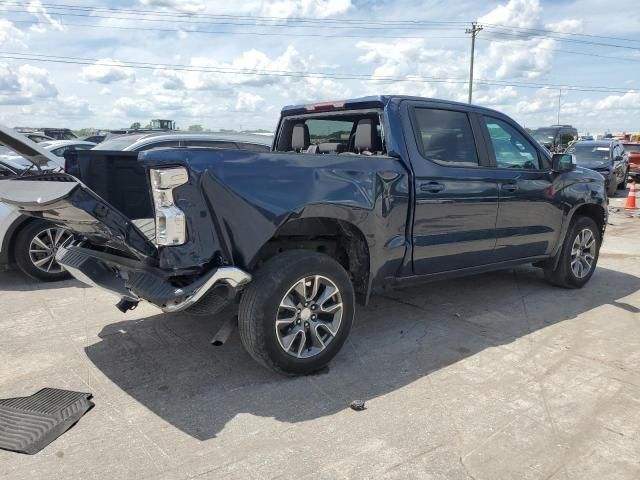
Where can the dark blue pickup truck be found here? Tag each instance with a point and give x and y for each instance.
(356, 196)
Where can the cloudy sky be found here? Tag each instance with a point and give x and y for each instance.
(234, 64)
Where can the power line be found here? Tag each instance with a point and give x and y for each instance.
(556, 32)
(251, 24)
(294, 74)
(234, 32)
(627, 59)
(172, 13)
(524, 35)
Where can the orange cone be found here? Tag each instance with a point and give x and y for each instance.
(630, 204)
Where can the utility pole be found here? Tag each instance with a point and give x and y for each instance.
(559, 96)
(475, 28)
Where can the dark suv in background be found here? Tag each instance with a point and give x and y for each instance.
(607, 157)
(556, 137)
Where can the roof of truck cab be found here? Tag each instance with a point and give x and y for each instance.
(372, 101)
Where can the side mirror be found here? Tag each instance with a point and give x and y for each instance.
(563, 162)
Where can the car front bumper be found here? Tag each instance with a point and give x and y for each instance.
(133, 281)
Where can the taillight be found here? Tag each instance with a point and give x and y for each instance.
(171, 227)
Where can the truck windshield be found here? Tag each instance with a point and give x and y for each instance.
(589, 153)
(545, 135)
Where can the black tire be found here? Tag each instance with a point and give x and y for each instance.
(623, 185)
(22, 241)
(261, 299)
(563, 275)
(612, 187)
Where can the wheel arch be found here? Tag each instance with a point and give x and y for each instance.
(340, 239)
(8, 250)
(594, 211)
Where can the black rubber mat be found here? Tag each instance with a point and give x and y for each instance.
(28, 424)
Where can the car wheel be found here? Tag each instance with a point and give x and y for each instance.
(35, 249)
(623, 185)
(578, 256)
(297, 312)
(612, 186)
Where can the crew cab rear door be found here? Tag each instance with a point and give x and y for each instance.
(456, 196)
(65, 201)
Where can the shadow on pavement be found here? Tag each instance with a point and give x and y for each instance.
(166, 364)
(15, 281)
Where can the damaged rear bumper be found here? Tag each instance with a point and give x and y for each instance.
(132, 280)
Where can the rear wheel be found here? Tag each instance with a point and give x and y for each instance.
(297, 312)
(578, 256)
(36, 246)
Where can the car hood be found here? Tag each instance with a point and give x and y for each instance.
(27, 149)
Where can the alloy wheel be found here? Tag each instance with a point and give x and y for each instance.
(309, 316)
(45, 245)
(583, 253)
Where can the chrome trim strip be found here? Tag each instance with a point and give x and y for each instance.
(232, 276)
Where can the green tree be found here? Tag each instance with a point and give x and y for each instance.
(135, 125)
(195, 128)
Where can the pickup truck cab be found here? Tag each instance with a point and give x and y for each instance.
(355, 197)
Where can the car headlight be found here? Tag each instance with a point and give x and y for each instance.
(171, 226)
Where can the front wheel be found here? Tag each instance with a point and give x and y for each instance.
(297, 312)
(623, 184)
(578, 256)
(612, 186)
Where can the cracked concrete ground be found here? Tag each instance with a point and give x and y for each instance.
(496, 376)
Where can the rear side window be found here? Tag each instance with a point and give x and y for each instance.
(445, 136)
(512, 149)
(151, 146)
(253, 147)
(211, 144)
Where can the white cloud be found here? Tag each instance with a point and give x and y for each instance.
(627, 101)
(107, 70)
(74, 106)
(133, 107)
(516, 13)
(104, 91)
(569, 25)
(10, 36)
(191, 6)
(514, 59)
(263, 71)
(25, 85)
(36, 8)
(494, 97)
(248, 101)
(300, 8)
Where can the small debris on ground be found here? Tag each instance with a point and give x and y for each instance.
(357, 405)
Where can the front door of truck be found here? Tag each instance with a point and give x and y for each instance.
(530, 213)
(456, 196)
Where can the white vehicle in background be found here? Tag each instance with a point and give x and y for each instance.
(28, 242)
(57, 147)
